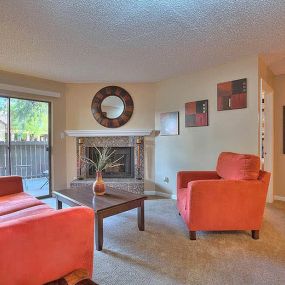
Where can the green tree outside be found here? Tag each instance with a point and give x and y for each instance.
(28, 118)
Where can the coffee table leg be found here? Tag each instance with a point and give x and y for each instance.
(141, 216)
(58, 204)
(98, 232)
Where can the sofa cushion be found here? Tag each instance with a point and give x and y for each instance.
(15, 202)
(38, 209)
(234, 166)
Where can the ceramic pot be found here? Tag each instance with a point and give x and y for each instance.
(99, 187)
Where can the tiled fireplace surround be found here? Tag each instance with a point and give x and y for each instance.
(134, 185)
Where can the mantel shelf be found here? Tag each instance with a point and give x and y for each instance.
(108, 133)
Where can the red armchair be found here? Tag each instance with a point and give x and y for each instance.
(37, 243)
(231, 198)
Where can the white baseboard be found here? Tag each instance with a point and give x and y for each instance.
(161, 194)
(150, 193)
(279, 198)
(166, 195)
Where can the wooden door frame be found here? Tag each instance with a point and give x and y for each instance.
(268, 90)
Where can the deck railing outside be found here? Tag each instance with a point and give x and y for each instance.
(29, 159)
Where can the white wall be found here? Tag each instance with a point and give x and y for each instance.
(198, 148)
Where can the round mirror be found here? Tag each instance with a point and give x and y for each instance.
(112, 107)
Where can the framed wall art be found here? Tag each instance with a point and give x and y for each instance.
(196, 114)
(169, 124)
(232, 95)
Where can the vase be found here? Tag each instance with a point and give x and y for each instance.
(99, 187)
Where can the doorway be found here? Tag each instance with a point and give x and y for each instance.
(25, 143)
(267, 133)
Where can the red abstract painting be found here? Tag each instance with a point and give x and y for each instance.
(196, 114)
(232, 95)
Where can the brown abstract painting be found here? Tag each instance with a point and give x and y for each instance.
(232, 95)
(196, 114)
(169, 124)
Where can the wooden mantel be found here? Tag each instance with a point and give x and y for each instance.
(108, 133)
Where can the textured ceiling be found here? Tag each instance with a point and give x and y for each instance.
(134, 41)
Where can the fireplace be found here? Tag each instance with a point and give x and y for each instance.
(127, 177)
(125, 170)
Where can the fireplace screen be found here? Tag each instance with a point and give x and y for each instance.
(126, 170)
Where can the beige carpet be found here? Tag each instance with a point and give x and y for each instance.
(163, 254)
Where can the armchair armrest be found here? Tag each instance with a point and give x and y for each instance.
(226, 204)
(183, 177)
(42, 248)
(10, 185)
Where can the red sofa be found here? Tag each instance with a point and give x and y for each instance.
(37, 243)
(231, 198)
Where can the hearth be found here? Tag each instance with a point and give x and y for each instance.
(125, 170)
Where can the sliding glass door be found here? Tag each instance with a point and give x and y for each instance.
(25, 143)
(4, 137)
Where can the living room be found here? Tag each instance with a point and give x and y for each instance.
(159, 59)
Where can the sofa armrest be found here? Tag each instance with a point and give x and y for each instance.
(226, 204)
(41, 248)
(10, 185)
(183, 177)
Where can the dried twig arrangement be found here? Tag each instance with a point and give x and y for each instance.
(102, 159)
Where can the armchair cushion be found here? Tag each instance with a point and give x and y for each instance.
(183, 177)
(234, 166)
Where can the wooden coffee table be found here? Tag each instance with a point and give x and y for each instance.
(112, 203)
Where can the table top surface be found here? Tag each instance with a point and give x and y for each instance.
(84, 196)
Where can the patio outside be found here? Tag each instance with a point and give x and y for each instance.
(36, 186)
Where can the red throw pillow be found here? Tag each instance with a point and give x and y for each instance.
(234, 166)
